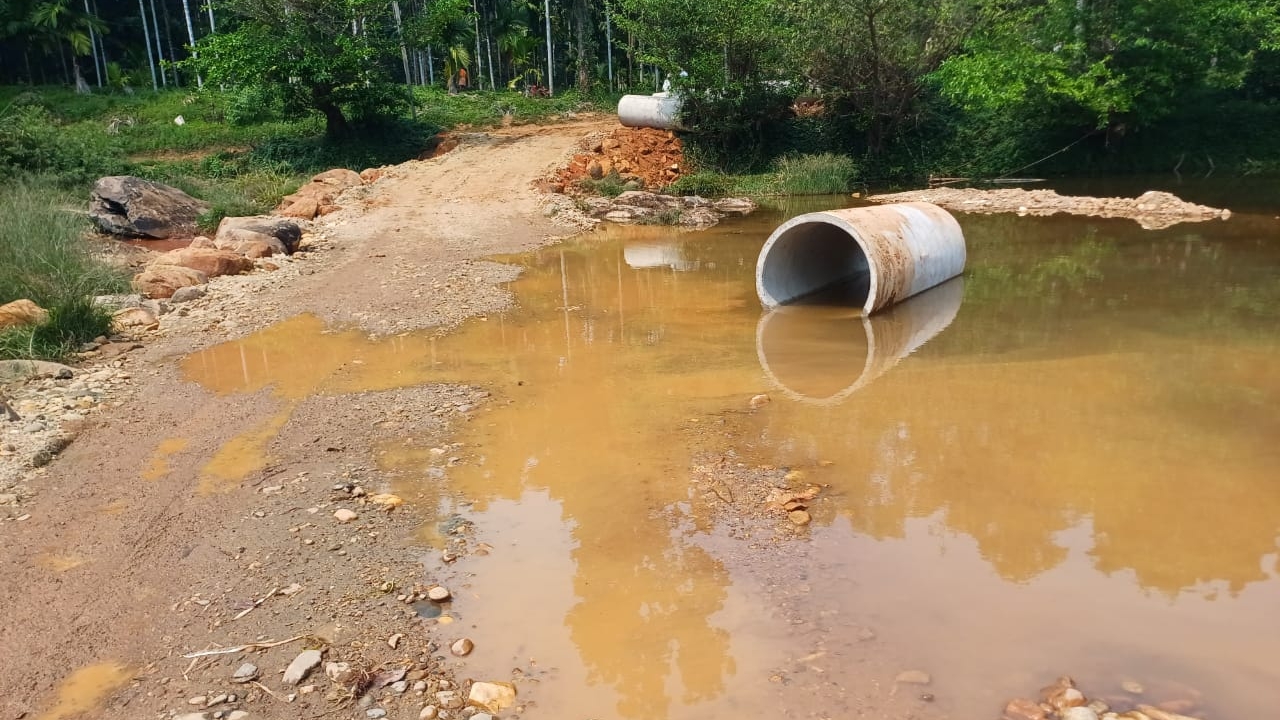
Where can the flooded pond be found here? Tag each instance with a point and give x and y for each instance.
(1063, 462)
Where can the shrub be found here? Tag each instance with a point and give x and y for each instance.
(825, 174)
(44, 258)
(31, 141)
(610, 185)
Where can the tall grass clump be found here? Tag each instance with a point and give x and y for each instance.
(824, 174)
(44, 258)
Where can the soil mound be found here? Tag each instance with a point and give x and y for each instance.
(1152, 210)
(650, 158)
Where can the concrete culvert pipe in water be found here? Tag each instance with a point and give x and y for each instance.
(872, 256)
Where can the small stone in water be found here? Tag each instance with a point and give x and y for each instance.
(439, 593)
(799, 517)
(758, 401)
(463, 647)
(1133, 687)
(1079, 713)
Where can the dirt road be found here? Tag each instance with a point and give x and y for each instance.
(202, 515)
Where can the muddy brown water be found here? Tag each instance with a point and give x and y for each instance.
(1065, 462)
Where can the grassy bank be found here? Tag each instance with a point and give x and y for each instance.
(239, 151)
(821, 174)
(43, 258)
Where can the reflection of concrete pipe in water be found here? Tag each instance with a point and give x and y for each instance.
(652, 255)
(660, 111)
(875, 256)
(825, 354)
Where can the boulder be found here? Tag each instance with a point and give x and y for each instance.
(210, 262)
(26, 369)
(161, 281)
(339, 178)
(234, 230)
(131, 206)
(305, 208)
(20, 313)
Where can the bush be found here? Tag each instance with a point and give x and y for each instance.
(825, 174)
(738, 130)
(31, 141)
(44, 258)
(609, 186)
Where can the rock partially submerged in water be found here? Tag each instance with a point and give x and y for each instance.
(639, 207)
(1153, 210)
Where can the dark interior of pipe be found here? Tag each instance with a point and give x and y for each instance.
(817, 263)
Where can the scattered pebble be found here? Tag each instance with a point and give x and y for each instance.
(428, 713)
(245, 673)
(439, 593)
(463, 647)
(758, 401)
(344, 515)
(304, 663)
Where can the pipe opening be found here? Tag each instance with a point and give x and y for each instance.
(816, 263)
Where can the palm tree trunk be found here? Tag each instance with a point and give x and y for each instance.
(209, 6)
(93, 45)
(168, 36)
(146, 35)
(155, 25)
(191, 36)
(479, 72)
(551, 76)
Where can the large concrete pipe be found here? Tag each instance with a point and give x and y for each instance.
(872, 256)
(822, 355)
(660, 111)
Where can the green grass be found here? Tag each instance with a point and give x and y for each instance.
(824, 174)
(610, 186)
(43, 258)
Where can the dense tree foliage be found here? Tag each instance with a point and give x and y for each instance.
(888, 80)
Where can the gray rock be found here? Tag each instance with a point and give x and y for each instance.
(131, 206)
(11, 370)
(234, 230)
(375, 713)
(245, 673)
(306, 661)
(34, 427)
(187, 294)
